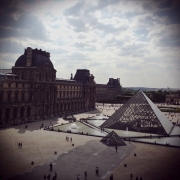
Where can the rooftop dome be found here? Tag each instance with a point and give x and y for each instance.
(39, 58)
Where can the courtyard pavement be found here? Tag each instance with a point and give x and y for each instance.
(152, 162)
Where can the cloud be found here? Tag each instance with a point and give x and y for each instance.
(75, 57)
(112, 38)
(10, 47)
(78, 24)
(15, 22)
(172, 14)
(166, 36)
(115, 43)
(106, 3)
(85, 46)
(74, 10)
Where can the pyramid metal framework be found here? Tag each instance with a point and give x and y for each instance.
(140, 114)
(112, 139)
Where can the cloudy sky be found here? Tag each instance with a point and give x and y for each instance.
(137, 41)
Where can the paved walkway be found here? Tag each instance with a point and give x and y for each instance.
(37, 145)
(152, 162)
(80, 159)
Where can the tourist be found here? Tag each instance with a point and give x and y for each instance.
(49, 176)
(97, 171)
(141, 178)
(71, 139)
(51, 166)
(44, 176)
(136, 178)
(116, 148)
(85, 174)
(131, 175)
(111, 177)
(19, 145)
(55, 174)
(77, 177)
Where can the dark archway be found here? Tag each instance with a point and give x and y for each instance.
(69, 106)
(61, 107)
(65, 107)
(57, 108)
(15, 112)
(7, 114)
(22, 112)
(46, 110)
(28, 111)
(0, 114)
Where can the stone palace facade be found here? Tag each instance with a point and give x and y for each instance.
(32, 92)
(108, 92)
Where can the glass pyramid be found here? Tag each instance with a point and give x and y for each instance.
(139, 114)
(112, 139)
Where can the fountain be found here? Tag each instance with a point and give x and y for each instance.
(73, 126)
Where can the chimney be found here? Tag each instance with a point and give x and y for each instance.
(71, 76)
(29, 56)
(48, 55)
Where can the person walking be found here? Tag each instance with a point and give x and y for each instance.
(51, 166)
(111, 177)
(48, 177)
(55, 174)
(85, 174)
(97, 171)
(78, 177)
(116, 148)
(131, 175)
(44, 176)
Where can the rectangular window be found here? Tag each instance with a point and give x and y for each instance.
(16, 96)
(9, 96)
(23, 96)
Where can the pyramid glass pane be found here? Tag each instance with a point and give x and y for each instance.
(139, 114)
